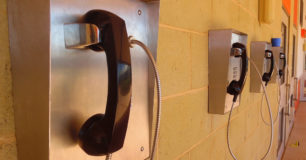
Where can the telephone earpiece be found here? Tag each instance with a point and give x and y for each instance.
(280, 72)
(102, 134)
(235, 87)
(92, 136)
(266, 77)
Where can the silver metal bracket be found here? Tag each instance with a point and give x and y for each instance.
(81, 35)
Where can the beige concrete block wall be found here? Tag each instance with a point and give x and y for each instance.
(188, 131)
(8, 149)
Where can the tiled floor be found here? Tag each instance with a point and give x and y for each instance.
(298, 134)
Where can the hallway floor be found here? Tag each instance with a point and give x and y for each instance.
(296, 146)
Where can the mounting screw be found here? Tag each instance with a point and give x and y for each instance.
(139, 12)
(142, 148)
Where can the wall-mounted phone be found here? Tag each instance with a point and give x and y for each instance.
(238, 50)
(262, 56)
(282, 66)
(280, 63)
(227, 68)
(73, 83)
(102, 134)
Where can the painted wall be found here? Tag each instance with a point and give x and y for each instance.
(7, 128)
(287, 5)
(300, 56)
(188, 132)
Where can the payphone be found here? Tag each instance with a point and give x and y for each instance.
(262, 56)
(227, 68)
(228, 64)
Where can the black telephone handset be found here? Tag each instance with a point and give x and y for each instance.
(236, 87)
(266, 77)
(281, 71)
(102, 134)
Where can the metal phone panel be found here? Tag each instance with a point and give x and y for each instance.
(276, 52)
(258, 56)
(79, 78)
(223, 68)
(57, 89)
(279, 63)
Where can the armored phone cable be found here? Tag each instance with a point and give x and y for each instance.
(157, 80)
(278, 100)
(227, 133)
(108, 157)
(270, 113)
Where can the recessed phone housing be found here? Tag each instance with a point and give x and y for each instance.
(262, 56)
(227, 65)
(280, 62)
(276, 54)
(57, 89)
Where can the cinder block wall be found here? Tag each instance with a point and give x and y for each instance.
(188, 132)
(7, 128)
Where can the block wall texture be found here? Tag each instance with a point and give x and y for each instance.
(8, 149)
(188, 131)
